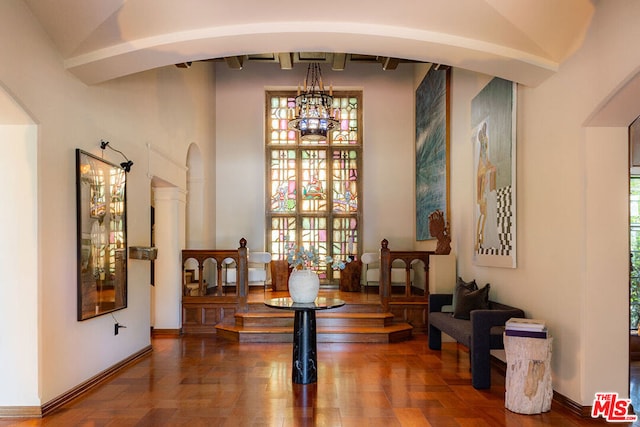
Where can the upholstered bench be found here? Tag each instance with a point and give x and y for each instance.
(480, 334)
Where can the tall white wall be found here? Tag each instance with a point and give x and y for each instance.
(572, 207)
(572, 226)
(388, 150)
(548, 280)
(160, 111)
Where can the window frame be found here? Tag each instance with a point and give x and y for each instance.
(326, 273)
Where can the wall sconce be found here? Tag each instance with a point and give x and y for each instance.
(125, 165)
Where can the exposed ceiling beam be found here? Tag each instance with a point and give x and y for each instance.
(440, 67)
(234, 62)
(389, 63)
(289, 60)
(339, 61)
(311, 56)
(286, 61)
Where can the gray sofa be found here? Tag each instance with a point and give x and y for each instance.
(482, 333)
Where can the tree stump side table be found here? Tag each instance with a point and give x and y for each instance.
(528, 380)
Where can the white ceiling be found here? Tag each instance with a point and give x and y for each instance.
(523, 40)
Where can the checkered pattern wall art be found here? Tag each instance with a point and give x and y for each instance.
(504, 225)
(493, 122)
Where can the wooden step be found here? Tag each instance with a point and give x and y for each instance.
(328, 319)
(284, 334)
(334, 326)
(351, 307)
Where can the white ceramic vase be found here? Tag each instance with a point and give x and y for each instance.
(304, 286)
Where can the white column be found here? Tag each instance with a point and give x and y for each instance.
(169, 203)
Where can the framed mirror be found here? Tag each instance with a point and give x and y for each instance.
(101, 191)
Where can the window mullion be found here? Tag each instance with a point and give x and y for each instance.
(299, 185)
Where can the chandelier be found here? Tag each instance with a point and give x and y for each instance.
(313, 113)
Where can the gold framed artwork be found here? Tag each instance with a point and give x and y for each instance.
(102, 236)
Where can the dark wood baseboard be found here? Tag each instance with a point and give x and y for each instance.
(571, 406)
(159, 333)
(20, 412)
(93, 382)
(74, 393)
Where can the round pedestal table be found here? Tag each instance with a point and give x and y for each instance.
(304, 369)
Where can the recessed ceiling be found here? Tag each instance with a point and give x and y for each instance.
(523, 41)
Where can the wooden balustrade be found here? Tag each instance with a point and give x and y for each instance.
(412, 305)
(201, 312)
(219, 255)
(409, 258)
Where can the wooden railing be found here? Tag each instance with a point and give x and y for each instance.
(219, 255)
(387, 258)
(202, 312)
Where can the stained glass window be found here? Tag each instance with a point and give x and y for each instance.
(345, 181)
(313, 166)
(313, 187)
(283, 180)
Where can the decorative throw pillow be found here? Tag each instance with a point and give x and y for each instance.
(468, 301)
(470, 286)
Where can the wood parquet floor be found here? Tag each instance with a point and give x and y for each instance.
(207, 381)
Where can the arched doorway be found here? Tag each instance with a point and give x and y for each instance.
(19, 295)
(620, 110)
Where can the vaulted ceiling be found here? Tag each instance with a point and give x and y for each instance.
(524, 40)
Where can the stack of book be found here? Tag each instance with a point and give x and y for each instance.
(530, 328)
